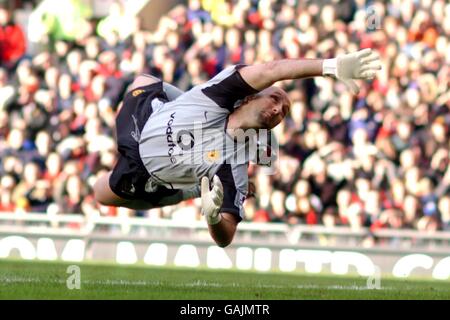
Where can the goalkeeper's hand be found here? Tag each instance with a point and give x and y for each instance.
(362, 64)
(212, 199)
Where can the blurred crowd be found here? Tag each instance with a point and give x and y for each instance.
(377, 160)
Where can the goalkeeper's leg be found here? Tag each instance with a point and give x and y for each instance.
(104, 195)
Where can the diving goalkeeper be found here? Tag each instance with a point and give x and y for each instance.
(162, 158)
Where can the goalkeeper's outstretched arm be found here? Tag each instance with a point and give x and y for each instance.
(358, 65)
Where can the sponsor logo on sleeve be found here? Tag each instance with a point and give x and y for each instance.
(137, 92)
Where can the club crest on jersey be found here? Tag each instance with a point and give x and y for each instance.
(213, 155)
(137, 92)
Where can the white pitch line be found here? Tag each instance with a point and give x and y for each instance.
(196, 284)
(119, 282)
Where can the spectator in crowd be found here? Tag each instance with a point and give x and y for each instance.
(378, 159)
(12, 40)
(66, 20)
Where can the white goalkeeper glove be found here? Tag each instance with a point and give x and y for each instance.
(212, 200)
(362, 64)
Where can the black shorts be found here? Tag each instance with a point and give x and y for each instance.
(129, 175)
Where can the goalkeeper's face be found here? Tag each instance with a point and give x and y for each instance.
(271, 106)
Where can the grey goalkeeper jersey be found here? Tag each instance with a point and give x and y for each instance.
(185, 139)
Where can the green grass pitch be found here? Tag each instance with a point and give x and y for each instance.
(47, 280)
